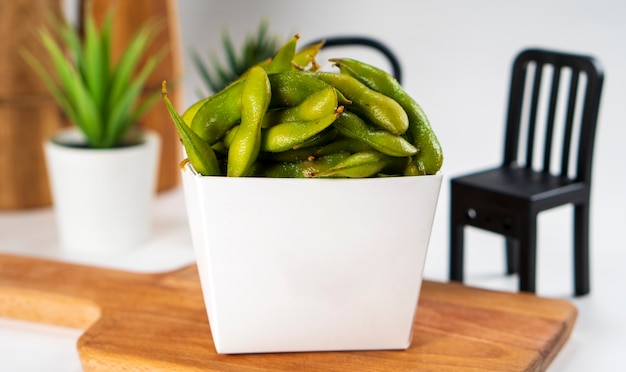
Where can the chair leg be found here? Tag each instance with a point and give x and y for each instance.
(456, 251)
(512, 256)
(528, 255)
(581, 249)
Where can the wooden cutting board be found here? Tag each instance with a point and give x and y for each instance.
(157, 322)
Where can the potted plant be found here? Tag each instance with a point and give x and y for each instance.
(311, 197)
(102, 169)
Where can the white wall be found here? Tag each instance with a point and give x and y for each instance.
(456, 57)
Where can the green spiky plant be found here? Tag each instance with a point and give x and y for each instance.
(255, 49)
(100, 97)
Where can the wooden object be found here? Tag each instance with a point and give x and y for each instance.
(24, 126)
(129, 16)
(28, 112)
(157, 322)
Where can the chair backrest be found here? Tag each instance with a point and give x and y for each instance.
(559, 93)
(339, 41)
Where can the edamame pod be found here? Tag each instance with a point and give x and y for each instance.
(290, 156)
(379, 109)
(411, 168)
(230, 136)
(303, 169)
(199, 153)
(349, 145)
(322, 138)
(430, 156)
(220, 150)
(351, 125)
(373, 77)
(307, 55)
(219, 113)
(292, 88)
(284, 57)
(191, 112)
(317, 105)
(285, 136)
(246, 144)
(359, 165)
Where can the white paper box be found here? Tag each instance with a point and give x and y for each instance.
(310, 264)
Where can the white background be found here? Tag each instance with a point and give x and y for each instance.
(456, 57)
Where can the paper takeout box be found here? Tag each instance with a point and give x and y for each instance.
(292, 265)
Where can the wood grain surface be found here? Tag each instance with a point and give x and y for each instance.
(28, 112)
(157, 322)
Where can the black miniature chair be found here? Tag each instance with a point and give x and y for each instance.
(507, 199)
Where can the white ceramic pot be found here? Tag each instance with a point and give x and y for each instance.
(310, 264)
(102, 198)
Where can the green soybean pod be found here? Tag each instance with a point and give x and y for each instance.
(359, 165)
(291, 88)
(246, 144)
(351, 125)
(230, 136)
(411, 169)
(283, 58)
(379, 109)
(322, 138)
(345, 144)
(285, 136)
(276, 170)
(430, 156)
(307, 54)
(192, 110)
(219, 113)
(220, 150)
(199, 152)
(290, 156)
(303, 169)
(319, 104)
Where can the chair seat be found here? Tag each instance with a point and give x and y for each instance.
(522, 184)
